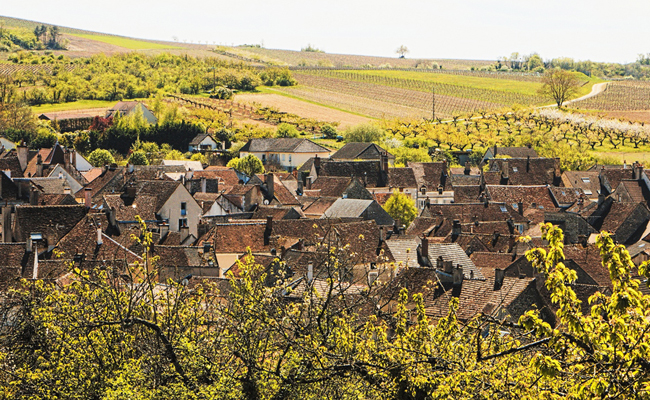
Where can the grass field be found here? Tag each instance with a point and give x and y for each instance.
(131, 44)
(76, 105)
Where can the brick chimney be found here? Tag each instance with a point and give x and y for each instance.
(87, 197)
(457, 275)
(456, 229)
(270, 185)
(6, 225)
(100, 240)
(39, 165)
(317, 163)
(268, 230)
(425, 246)
(185, 232)
(23, 154)
(499, 275)
(33, 196)
(520, 207)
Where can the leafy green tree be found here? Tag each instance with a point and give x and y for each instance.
(287, 131)
(199, 157)
(405, 154)
(559, 85)
(329, 131)
(364, 133)
(138, 157)
(174, 155)
(100, 157)
(250, 165)
(401, 207)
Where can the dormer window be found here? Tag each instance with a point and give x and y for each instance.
(423, 189)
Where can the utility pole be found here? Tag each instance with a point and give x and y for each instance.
(433, 101)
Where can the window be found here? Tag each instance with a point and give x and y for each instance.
(183, 209)
(182, 223)
(588, 192)
(515, 169)
(283, 157)
(586, 180)
(515, 206)
(503, 209)
(289, 159)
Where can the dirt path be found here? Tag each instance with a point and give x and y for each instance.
(597, 89)
(302, 108)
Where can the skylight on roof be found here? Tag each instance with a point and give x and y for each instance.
(515, 169)
(588, 192)
(586, 180)
(515, 206)
(503, 209)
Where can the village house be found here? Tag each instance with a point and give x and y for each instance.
(287, 153)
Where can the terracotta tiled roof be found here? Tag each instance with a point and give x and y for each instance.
(52, 221)
(160, 190)
(564, 197)
(470, 212)
(283, 145)
(13, 165)
(531, 196)
(479, 296)
(360, 150)
(368, 170)
(82, 239)
(588, 181)
(431, 175)
(56, 200)
(466, 193)
(401, 178)
(331, 186)
(523, 171)
(318, 207)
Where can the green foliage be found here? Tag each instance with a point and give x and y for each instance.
(329, 131)
(199, 157)
(287, 131)
(364, 133)
(114, 332)
(401, 207)
(405, 154)
(559, 85)
(277, 76)
(174, 155)
(138, 157)
(100, 157)
(311, 49)
(250, 165)
(221, 93)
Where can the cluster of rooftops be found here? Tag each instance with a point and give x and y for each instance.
(58, 210)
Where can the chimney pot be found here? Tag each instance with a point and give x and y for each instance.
(499, 275)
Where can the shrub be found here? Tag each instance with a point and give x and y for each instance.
(138, 157)
(100, 157)
(287, 131)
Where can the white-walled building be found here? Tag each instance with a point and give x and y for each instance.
(289, 153)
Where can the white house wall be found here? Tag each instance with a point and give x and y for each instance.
(286, 160)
